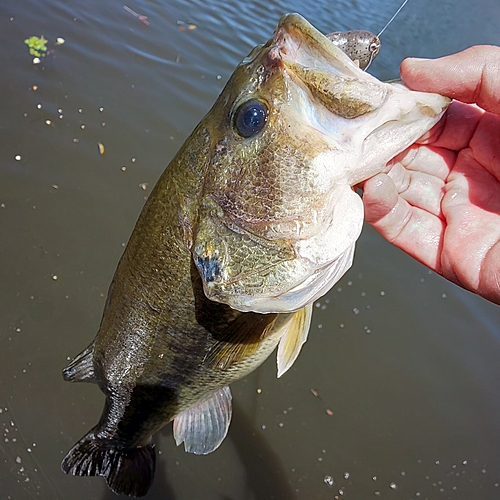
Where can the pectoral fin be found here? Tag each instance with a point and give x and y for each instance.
(293, 339)
(203, 427)
(240, 340)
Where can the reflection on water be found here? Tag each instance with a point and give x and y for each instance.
(395, 394)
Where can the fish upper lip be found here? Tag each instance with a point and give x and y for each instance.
(295, 37)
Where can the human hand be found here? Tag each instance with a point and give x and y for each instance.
(439, 201)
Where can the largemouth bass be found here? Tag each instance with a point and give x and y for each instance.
(255, 214)
(298, 125)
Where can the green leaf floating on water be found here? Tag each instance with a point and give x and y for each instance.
(37, 45)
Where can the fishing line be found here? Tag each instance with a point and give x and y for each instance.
(376, 45)
(392, 18)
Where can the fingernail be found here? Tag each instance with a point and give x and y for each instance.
(417, 60)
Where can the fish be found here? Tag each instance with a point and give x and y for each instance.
(315, 125)
(254, 218)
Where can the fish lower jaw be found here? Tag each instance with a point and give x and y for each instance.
(291, 283)
(315, 286)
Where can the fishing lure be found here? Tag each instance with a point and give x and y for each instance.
(361, 46)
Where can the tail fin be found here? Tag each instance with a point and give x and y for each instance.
(127, 471)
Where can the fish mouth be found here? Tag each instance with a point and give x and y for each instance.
(349, 107)
(331, 77)
(296, 40)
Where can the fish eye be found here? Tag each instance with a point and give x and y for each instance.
(251, 117)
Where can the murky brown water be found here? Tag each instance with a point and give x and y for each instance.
(405, 367)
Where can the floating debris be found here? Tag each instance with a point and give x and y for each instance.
(183, 26)
(328, 480)
(60, 41)
(143, 19)
(102, 151)
(37, 46)
(328, 411)
(36, 60)
(143, 186)
(18, 157)
(34, 87)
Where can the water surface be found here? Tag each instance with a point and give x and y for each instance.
(396, 393)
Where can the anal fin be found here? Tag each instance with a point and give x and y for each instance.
(81, 369)
(294, 337)
(203, 427)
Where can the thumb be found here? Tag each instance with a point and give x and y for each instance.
(471, 76)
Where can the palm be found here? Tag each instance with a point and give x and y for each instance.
(440, 200)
